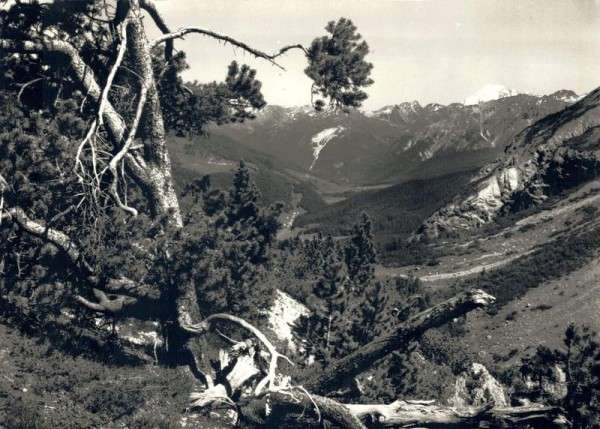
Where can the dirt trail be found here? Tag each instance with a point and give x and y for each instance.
(473, 270)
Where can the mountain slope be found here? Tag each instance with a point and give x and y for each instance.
(558, 152)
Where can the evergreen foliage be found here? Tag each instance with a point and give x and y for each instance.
(337, 65)
(189, 108)
(579, 360)
(360, 256)
(323, 331)
(223, 258)
(349, 307)
(226, 257)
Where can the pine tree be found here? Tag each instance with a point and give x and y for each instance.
(367, 315)
(231, 275)
(243, 198)
(337, 65)
(580, 361)
(323, 330)
(360, 255)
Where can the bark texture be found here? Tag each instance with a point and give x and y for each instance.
(427, 415)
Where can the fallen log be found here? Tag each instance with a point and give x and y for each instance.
(352, 365)
(424, 414)
(274, 400)
(400, 414)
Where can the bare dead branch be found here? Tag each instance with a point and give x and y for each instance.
(3, 188)
(275, 355)
(25, 86)
(227, 39)
(113, 73)
(81, 71)
(112, 304)
(299, 401)
(427, 415)
(58, 238)
(154, 177)
(160, 22)
(238, 365)
(113, 164)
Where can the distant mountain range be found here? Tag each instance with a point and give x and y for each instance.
(524, 146)
(395, 143)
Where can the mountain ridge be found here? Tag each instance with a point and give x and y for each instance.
(390, 143)
(555, 153)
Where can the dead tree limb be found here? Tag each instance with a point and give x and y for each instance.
(227, 39)
(59, 239)
(152, 169)
(160, 22)
(282, 399)
(123, 293)
(362, 359)
(239, 364)
(275, 355)
(302, 403)
(401, 414)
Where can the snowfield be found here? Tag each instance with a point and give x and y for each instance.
(320, 140)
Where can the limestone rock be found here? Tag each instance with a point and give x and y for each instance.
(283, 314)
(477, 387)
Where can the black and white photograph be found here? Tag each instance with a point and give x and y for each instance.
(337, 214)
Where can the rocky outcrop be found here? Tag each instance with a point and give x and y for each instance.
(554, 386)
(476, 388)
(283, 314)
(556, 153)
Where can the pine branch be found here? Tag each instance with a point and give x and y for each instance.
(227, 39)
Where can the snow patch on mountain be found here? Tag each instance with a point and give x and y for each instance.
(434, 107)
(386, 110)
(415, 107)
(299, 111)
(488, 93)
(567, 96)
(320, 140)
(367, 113)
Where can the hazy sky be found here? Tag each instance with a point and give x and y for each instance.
(426, 50)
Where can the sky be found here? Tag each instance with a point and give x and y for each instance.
(426, 50)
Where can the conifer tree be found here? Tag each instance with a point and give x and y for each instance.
(337, 65)
(230, 277)
(313, 253)
(367, 314)
(323, 330)
(243, 198)
(580, 361)
(360, 255)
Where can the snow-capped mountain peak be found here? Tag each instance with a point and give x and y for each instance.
(488, 93)
(567, 96)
